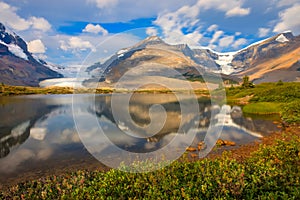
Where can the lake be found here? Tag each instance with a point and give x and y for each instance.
(41, 134)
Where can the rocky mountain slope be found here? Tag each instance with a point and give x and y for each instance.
(273, 59)
(276, 58)
(155, 53)
(17, 65)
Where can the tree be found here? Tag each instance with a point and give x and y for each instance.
(279, 82)
(246, 83)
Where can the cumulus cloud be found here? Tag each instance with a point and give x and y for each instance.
(289, 20)
(238, 43)
(230, 7)
(39, 23)
(96, 29)
(212, 28)
(151, 31)
(263, 32)
(226, 41)
(287, 2)
(9, 17)
(104, 3)
(237, 11)
(173, 23)
(36, 46)
(216, 36)
(184, 25)
(76, 44)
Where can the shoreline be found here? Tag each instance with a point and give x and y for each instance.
(7, 90)
(90, 164)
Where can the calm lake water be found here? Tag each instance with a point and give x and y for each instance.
(38, 133)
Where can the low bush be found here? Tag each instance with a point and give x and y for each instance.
(273, 172)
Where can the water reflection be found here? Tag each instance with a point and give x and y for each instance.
(38, 130)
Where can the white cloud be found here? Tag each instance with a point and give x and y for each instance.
(40, 24)
(9, 17)
(226, 41)
(263, 32)
(216, 36)
(289, 20)
(187, 18)
(237, 11)
(238, 43)
(151, 31)
(230, 7)
(173, 23)
(76, 44)
(212, 28)
(237, 33)
(36, 46)
(104, 3)
(287, 2)
(96, 29)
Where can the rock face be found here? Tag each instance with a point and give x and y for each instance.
(153, 51)
(274, 59)
(17, 65)
(271, 60)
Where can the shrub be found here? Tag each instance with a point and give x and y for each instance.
(271, 172)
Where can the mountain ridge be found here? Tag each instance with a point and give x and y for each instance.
(17, 64)
(240, 63)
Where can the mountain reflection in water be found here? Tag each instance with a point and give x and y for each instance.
(37, 130)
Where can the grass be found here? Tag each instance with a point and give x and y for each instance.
(7, 90)
(273, 172)
(264, 108)
(268, 92)
(268, 98)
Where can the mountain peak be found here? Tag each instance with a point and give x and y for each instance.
(151, 40)
(284, 37)
(18, 66)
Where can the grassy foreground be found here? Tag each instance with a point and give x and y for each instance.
(270, 173)
(269, 98)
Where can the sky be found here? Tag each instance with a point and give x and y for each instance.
(73, 32)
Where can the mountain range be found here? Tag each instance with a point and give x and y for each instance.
(273, 59)
(276, 58)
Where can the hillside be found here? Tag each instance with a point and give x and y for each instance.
(274, 59)
(17, 65)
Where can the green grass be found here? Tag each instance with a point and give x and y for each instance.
(268, 92)
(263, 108)
(273, 172)
(268, 98)
(7, 90)
(291, 112)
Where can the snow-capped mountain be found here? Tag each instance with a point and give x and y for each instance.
(273, 59)
(17, 64)
(154, 52)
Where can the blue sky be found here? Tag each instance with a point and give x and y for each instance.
(69, 31)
